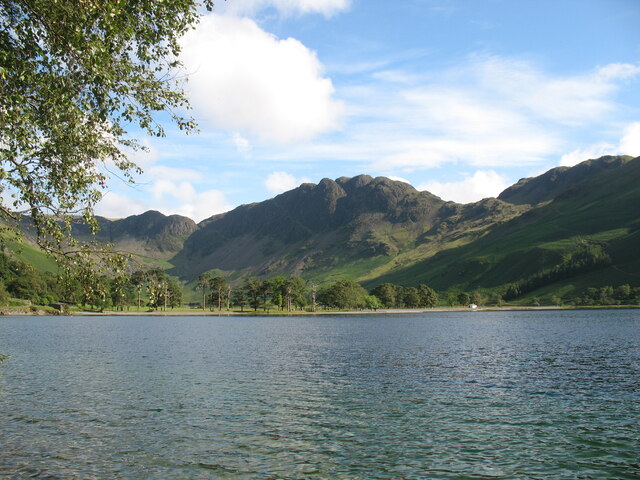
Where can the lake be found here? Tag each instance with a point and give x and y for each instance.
(545, 394)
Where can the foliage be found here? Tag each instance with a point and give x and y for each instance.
(219, 291)
(74, 76)
(386, 292)
(372, 302)
(137, 281)
(23, 281)
(586, 257)
(4, 295)
(398, 296)
(203, 284)
(239, 298)
(608, 295)
(253, 287)
(464, 298)
(343, 294)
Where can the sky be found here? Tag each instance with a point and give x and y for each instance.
(458, 97)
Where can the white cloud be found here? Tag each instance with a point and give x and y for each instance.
(482, 184)
(181, 198)
(169, 196)
(630, 142)
(279, 182)
(246, 80)
(490, 112)
(173, 173)
(200, 205)
(582, 154)
(289, 7)
(629, 145)
(115, 205)
(570, 100)
(618, 71)
(399, 179)
(242, 144)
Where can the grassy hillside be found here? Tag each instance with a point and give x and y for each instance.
(600, 210)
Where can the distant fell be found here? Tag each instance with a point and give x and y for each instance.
(559, 180)
(555, 234)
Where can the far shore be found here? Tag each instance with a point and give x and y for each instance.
(21, 311)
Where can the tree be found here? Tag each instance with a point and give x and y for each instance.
(138, 279)
(74, 76)
(278, 291)
(297, 290)
(463, 298)
(174, 294)
(157, 285)
(253, 286)
(451, 299)
(239, 298)
(119, 285)
(343, 294)
(428, 296)
(478, 298)
(387, 294)
(203, 283)
(411, 297)
(265, 290)
(218, 286)
(372, 302)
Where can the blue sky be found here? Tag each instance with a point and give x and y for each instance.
(461, 98)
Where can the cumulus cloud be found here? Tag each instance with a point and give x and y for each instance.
(289, 7)
(629, 145)
(482, 184)
(246, 80)
(279, 182)
(630, 142)
(115, 205)
(170, 190)
(181, 198)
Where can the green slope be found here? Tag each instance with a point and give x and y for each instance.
(599, 210)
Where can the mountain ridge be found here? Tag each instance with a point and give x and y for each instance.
(375, 230)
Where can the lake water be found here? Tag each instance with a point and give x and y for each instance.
(440, 395)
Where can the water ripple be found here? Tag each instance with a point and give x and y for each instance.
(446, 396)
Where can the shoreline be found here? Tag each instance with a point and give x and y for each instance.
(21, 311)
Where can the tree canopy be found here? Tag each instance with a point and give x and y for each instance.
(76, 76)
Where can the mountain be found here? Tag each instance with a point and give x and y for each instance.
(572, 224)
(561, 232)
(560, 180)
(590, 208)
(331, 229)
(150, 235)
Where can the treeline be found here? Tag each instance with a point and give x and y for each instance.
(586, 258)
(294, 293)
(608, 295)
(398, 296)
(121, 291)
(279, 292)
(87, 289)
(154, 289)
